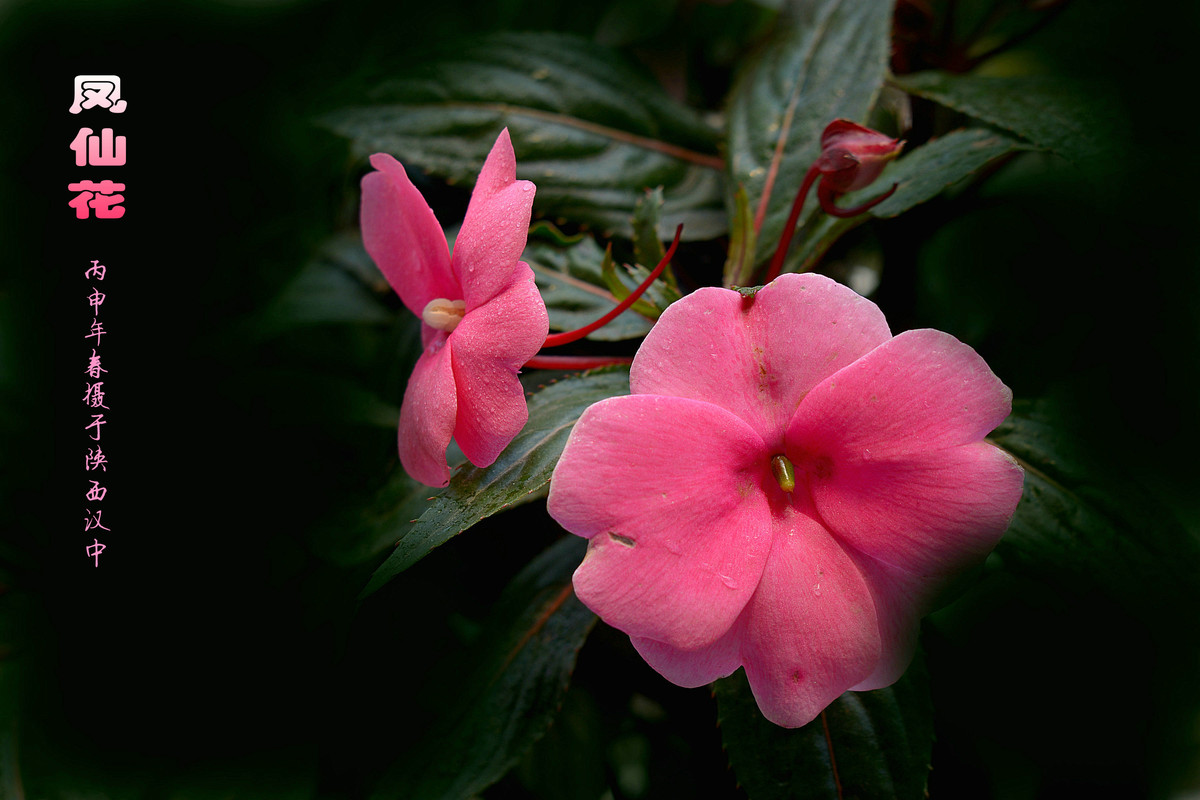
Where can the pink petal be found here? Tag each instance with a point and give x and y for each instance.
(670, 493)
(920, 391)
(427, 416)
(757, 361)
(900, 602)
(809, 632)
(404, 238)
(930, 514)
(892, 453)
(490, 345)
(493, 234)
(693, 668)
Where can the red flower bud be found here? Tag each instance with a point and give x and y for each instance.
(853, 156)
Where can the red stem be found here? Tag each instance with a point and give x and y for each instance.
(837, 781)
(827, 198)
(790, 228)
(575, 362)
(556, 339)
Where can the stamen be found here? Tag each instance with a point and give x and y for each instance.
(789, 229)
(785, 474)
(444, 314)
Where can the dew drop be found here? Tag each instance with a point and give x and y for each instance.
(728, 581)
(817, 589)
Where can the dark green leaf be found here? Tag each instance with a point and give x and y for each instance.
(363, 531)
(657, 296)
(588, 130)
(630, 21)
(648, 247)
(520, 474)
(1049, 112)
(341, 284)
(920, 176)
(1080, 530)
(881, 743)
(568, 279)
(827, 60)
(739, 264)
(513, 685)
(621, 287)
(546, 231)
(929, 169)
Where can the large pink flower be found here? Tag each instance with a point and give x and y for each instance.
(482, 316)
(699, 551)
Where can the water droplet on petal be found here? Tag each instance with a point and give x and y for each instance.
(817, 589)
(728, 581)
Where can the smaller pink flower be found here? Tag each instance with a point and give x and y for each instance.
(482, 316)
(788, 488)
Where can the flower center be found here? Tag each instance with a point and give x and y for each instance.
(444, 314)
(784, 472)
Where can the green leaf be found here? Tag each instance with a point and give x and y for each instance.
(1051, 113)
(364, 530)
(571, 282)
(621, 288)
(513, 685)
(629, 21)
(739, 264)
(1081, 530)
(648, 248)
(546, 231)
(519, 475)
(933, 167)
(828, 60)
(920, 176)
(657, 296)
(591, 132)
(881, 743)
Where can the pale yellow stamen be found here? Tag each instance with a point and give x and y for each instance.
(444, 314)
